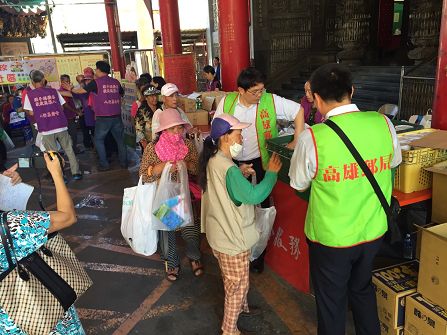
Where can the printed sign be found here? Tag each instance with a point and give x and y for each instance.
(130, 95)
(17, 72)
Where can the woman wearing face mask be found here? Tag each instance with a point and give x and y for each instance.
(228, 212)
(171, 146)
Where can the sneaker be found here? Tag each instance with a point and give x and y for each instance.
(103, 168)
(77, 176)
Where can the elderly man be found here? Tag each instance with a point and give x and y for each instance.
(252, 104)
(107, 93)
(169, 95)
(345, 220)
(46, 105)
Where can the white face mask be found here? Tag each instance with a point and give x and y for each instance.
(235, 149)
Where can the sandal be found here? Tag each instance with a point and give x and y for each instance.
(197, 267)
(172, 273)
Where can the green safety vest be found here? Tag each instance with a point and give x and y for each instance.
(343, 208)
(265, 120)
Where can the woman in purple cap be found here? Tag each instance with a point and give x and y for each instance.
(228, 212)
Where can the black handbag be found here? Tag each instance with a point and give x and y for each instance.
(392, 210)
(45, 284)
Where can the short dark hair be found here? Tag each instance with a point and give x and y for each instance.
(103, 66)
(65, 77)
(332, 82)
(217, 58)
(209, 69)
(37, 76)
(159, 81)
(146, 76)
(250, 77)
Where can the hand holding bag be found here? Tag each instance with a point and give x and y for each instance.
(172, 204)
(45, 284)
(136, 218)
(392, 210)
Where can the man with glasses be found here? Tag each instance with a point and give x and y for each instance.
(252, 104)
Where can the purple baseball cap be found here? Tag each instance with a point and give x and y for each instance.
(223, 123)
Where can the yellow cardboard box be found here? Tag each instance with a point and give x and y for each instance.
(433, 270)
(392, 285)
(423, 317)
(388, 330)
(186, 104)
(439, 192)
(199, 118)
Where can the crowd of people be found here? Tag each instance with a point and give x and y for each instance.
(236, 172)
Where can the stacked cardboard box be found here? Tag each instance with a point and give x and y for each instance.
(393, 284)
(426, 310)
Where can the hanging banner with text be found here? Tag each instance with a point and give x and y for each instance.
(17, 72)
(130, 95)
(181, 70)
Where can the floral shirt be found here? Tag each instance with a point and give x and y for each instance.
(143, 122)
(29, 233)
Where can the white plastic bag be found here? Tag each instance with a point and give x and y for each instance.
(172, 200)
(136, 218)
(264, 219)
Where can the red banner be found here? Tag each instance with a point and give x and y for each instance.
(181, 70)
(287, 251)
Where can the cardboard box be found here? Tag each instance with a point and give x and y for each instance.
(388, 330)
(186, 104)
(424, 318)
(392, 285)
(433, 268)
(215, 96)
(198, 118)
(439, 192)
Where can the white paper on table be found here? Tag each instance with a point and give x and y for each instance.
(194, 95)
(13, 197)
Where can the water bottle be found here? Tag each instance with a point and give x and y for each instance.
(408, 247)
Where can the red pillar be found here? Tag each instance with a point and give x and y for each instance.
(234, 42)
(440, 99)
(170, 27)
(116, 47)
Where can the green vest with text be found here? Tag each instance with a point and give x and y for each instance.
(265, 120)
(343, 208)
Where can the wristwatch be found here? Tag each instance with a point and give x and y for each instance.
(149, 170)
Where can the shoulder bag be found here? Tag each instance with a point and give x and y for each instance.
(37, 290)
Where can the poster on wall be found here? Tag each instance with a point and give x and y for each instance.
(89, 60)
(70, 65)
(17, 72)
(130, 95)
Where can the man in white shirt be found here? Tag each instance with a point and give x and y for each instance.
(345, 220)
(252, 104)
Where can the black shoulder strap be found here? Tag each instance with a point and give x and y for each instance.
(361, 163)
(3, 229)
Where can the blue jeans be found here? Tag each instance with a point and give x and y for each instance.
(115, 126)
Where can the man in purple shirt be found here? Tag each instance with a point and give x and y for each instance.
(46, 105)
(107, 93)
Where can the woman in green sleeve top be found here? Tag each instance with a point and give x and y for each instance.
(228, 212)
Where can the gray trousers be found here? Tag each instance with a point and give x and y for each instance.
(64, 139)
